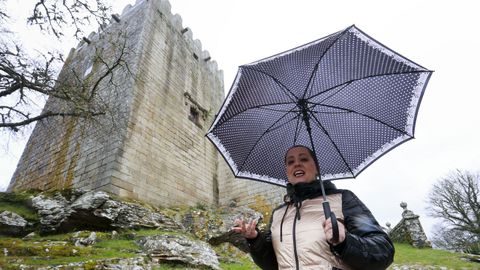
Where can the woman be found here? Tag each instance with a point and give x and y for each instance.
(298, 237)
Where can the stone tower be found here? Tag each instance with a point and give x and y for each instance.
(151, 144)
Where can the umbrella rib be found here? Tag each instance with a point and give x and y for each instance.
(297, 129)
(261, 136)
(331, 140)
(345, 84)
(276, 110)
(255, 107)
(365, 115)
(334, 93)
(283, 87)
(310, 80)
(319, 112)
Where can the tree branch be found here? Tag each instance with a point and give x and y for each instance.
(50, 15)
(48, 114)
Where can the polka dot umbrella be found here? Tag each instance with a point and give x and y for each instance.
(346, 96)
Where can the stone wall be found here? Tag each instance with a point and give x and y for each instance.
(66, 152)
(409, 230)
(151, 144)
(165, 157)
(245, 191)
(149, 147)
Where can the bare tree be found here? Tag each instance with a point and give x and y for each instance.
(449, 238)
(55, 16)
(455, 200)
(25, 79)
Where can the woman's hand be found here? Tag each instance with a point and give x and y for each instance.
(327, 227)
(247, 229)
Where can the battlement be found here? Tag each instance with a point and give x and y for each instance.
(164, 9)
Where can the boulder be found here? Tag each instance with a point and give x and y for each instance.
(215, 225)
(137, 263)
(29, 236)
(134, 216)
(179, 249)
(52, 211)
(95, 210)
(12, 224)
(90, 200)
(87, 241)
(83, 212)
(471, 257)
(224, 234)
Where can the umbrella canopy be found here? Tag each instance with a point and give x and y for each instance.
(346, 95)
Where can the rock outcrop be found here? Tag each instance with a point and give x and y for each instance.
(96, 211)
(215, 226)
(184, 236)
(12, 224)
(176, 248)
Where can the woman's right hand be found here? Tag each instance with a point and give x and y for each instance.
(247, 229)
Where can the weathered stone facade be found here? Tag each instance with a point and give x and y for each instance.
(409, 230)
(151, 146)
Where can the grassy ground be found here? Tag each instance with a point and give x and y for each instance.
(17, 202)
(59, 250)
(408, 255)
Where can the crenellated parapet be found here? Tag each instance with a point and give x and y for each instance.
(164, 9)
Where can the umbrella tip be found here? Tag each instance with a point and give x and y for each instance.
(351, 27)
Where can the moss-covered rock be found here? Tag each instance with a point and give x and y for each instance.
(117, 248)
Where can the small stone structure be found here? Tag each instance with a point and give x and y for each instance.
(409, 230)
(155, 148)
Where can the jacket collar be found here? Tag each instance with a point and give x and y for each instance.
(302, 191)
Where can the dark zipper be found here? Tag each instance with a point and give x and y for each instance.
(295, 242)
(281, 224)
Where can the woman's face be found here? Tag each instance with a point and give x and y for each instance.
(300, 166)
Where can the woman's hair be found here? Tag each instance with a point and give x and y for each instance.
(310, 151)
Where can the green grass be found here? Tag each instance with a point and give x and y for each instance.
(244, 264)
(18, 203)
(17, 197)
(51, 261)
(173, 266)
(117, 246)
(408, 255)
(44, 252)
(20, 209)
(62, 251)
(152, 232)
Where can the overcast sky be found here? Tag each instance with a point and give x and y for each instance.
(439, 35)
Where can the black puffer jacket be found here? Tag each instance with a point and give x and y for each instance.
(366, 245)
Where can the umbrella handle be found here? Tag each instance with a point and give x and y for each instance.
(333, 218)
